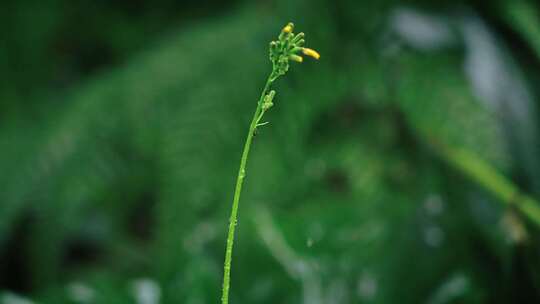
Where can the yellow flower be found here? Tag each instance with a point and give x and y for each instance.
(288, 28)
(296, 58)
(311, 53)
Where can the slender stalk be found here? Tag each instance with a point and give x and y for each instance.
(238, 190)
(485, 175)
(287, 47)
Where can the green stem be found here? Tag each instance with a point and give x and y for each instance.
(239, 182)
(485, 175)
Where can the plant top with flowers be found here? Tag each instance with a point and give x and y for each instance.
(287, 47)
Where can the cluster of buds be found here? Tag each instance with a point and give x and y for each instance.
(288, 47)
(267, 103)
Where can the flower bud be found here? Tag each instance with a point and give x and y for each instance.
(296, 58)
(298, 37)
(288, 28)
(267, 103)
(311, 53)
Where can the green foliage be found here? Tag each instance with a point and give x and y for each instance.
(127, 172)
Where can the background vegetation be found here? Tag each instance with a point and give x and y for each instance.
(122, 122)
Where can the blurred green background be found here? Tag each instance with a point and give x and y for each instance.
(388, 174)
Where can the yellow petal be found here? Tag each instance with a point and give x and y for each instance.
(288, 28)
(296, 58)
(311, 53)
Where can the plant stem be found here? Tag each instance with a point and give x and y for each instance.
(239, 182)
(485, 175)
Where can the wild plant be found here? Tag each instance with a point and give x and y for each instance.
(287, 47)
